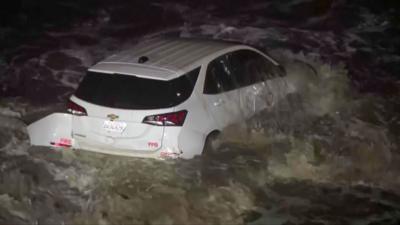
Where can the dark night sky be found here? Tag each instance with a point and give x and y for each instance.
(39, 12)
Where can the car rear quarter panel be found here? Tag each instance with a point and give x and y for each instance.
(198, 122)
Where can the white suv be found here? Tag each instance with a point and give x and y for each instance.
(164, 98)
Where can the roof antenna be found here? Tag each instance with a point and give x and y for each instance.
(143, 59)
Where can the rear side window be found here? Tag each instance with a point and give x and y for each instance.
(250, 67)
(219, 76)
(130, 92)
(238, 69)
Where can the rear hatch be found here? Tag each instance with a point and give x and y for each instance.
(127, 112)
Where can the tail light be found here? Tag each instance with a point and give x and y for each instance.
(167, 119)
(75, 109)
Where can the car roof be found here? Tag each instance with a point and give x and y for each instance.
(162, 58)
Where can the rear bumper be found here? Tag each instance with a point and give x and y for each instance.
(168, 149)
(55, 131)
(121, 152)
(177, 142)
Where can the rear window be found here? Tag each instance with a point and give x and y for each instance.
(130, 92)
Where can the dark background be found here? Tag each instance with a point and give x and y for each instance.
(22, 19)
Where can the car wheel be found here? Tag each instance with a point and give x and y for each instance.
(212, 143)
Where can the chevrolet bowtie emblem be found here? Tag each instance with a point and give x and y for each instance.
(112, 117)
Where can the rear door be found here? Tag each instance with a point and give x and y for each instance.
(115, 106)
(105, 127)
(221, 92)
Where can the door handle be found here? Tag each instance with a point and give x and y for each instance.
(219, 102)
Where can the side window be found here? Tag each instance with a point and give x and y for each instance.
(250, 67)
(219, 76)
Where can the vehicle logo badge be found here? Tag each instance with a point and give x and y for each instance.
(112, 117)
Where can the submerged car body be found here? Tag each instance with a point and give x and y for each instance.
(163, 98)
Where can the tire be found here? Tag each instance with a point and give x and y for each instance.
(212, 143)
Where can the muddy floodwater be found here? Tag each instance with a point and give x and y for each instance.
(328, 153)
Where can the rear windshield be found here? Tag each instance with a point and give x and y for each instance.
(130, 92)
